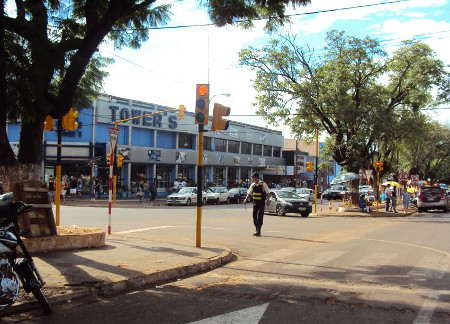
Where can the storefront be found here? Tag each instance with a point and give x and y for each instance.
(156, 146)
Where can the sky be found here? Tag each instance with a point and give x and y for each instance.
(167, 67)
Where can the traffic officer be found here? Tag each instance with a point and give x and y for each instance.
(260, 194)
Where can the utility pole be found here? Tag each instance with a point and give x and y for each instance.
(316, 174)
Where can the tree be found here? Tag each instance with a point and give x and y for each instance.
(362, 98)
(51, 47)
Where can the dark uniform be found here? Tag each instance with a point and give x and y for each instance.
(259, 200)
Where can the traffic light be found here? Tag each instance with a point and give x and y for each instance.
(49, 123)
(181, 110)
(217, 122)
(379, 166)
(119, 160)
(309, 166)
(202, 104)
(108, 158)
(69, 121)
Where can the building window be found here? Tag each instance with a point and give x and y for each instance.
(221, 145)
(246, 148)
(257, 149)
(207, 143)
(276, 151)
(233, 146)
(267, 150)
(185, 141)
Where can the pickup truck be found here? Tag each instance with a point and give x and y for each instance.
(335, 192)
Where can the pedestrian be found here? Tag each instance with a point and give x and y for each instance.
(73, 187)
(176, 186)
(394, 200)
(388, 193)
(260, 194)
(64, 186)
(79, 187)
(405, 200)
(183, 183)
(51, 187)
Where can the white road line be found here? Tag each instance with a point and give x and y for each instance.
(315, 260)
(251, 315)
(432, 267)
(144, 229)
(373, 262)
(427, 309)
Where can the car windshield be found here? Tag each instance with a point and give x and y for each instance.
(213, 190)
(185, 191)
(234, 190)
(286, 194)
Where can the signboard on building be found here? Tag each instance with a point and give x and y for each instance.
(262, 162)
(237, 160)
(154, 155)
(180, 157)
(275, 170)
(249, 161)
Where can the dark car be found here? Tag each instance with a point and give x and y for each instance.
(282, 202)
(433, 198)
(237, 195)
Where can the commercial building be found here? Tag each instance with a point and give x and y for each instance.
(158, 146)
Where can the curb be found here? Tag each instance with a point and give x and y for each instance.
(104, 288)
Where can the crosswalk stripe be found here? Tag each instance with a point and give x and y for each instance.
(312, 262)
(372, 262)
(431, 267)
(268, 257)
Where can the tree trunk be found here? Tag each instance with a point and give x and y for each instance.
(30, 150)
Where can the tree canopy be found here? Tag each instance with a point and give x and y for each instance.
(364, 99)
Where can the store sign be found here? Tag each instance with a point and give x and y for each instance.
(275, 170)
(154, 155)
(221, 159)
(119, 113)
(249, 161)
(237, 160)
(205, 158)
(233, 132)
(180, 157)
(262, 161)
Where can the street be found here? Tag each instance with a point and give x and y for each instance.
(315, 269)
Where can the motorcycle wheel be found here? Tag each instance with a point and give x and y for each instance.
(37, 292)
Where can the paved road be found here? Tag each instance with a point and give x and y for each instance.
(315, 269)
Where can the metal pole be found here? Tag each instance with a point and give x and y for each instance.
(198, 234)
(378, 189)
(58, 171)
(110, 189)
(315, 176)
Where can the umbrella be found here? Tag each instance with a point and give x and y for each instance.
(345, 177)
(392, 183)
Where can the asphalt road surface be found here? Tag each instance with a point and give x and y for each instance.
(301, 270)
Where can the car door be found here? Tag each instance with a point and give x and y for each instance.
(273, 203)
(223, 194)
(193, 195)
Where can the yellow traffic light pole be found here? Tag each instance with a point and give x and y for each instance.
(316, 175)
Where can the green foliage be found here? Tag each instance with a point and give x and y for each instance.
(363, 99)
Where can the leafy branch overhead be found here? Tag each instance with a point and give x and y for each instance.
(352, 89)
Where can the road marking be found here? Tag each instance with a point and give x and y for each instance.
(407, 244)
(427, 309)
(251, 315)
(372, 262)
(144, 229)
(315, 260)
(258, 261)
(432, 267)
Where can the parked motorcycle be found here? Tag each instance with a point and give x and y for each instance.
(14, 271)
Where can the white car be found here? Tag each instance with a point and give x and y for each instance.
(306, 193)
(186, 196)
(368, 193)
(216, 195)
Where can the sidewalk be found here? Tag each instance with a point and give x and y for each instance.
(357, 213)
(125, 263)
(120, 202)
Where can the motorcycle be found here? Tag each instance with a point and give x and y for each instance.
(13, 271)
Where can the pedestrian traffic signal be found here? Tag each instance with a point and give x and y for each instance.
(69, 120)
(119, 160)
(379, 166)
(181, 110)
(49, 123)
(202, 104)
(309, 166)
(217, 122)
(108, 158)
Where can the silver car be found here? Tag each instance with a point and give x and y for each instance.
(282, 202)
(306, 193)
(186, 196)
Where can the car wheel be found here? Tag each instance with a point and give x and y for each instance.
(204, 201)
(304, 214)
(217, 201)
(279, 211)
(188, 202)
(445, 209)
(169, 204)
(419, 210)
(228, 200)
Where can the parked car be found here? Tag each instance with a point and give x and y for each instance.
(368, 193)
(335, 192)
(306, 193)
(291, 189)
(433, 198)
(186, 196)
(216, 195)
(237, 195)
(282, 202)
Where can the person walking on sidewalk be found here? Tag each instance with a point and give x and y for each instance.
(260, 194)
(388, 193)
(394, 200)
(64, 186)
(405, 200)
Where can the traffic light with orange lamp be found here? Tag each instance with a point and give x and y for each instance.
(108, 158)
(379, 166)
(69, 120)
(49, 123)
(309, 166)
(202, 104)
(119, 160)
(181, 110)
(218, 123)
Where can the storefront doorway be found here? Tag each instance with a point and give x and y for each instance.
(164, 176)
(232, 177)
(219, 176)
